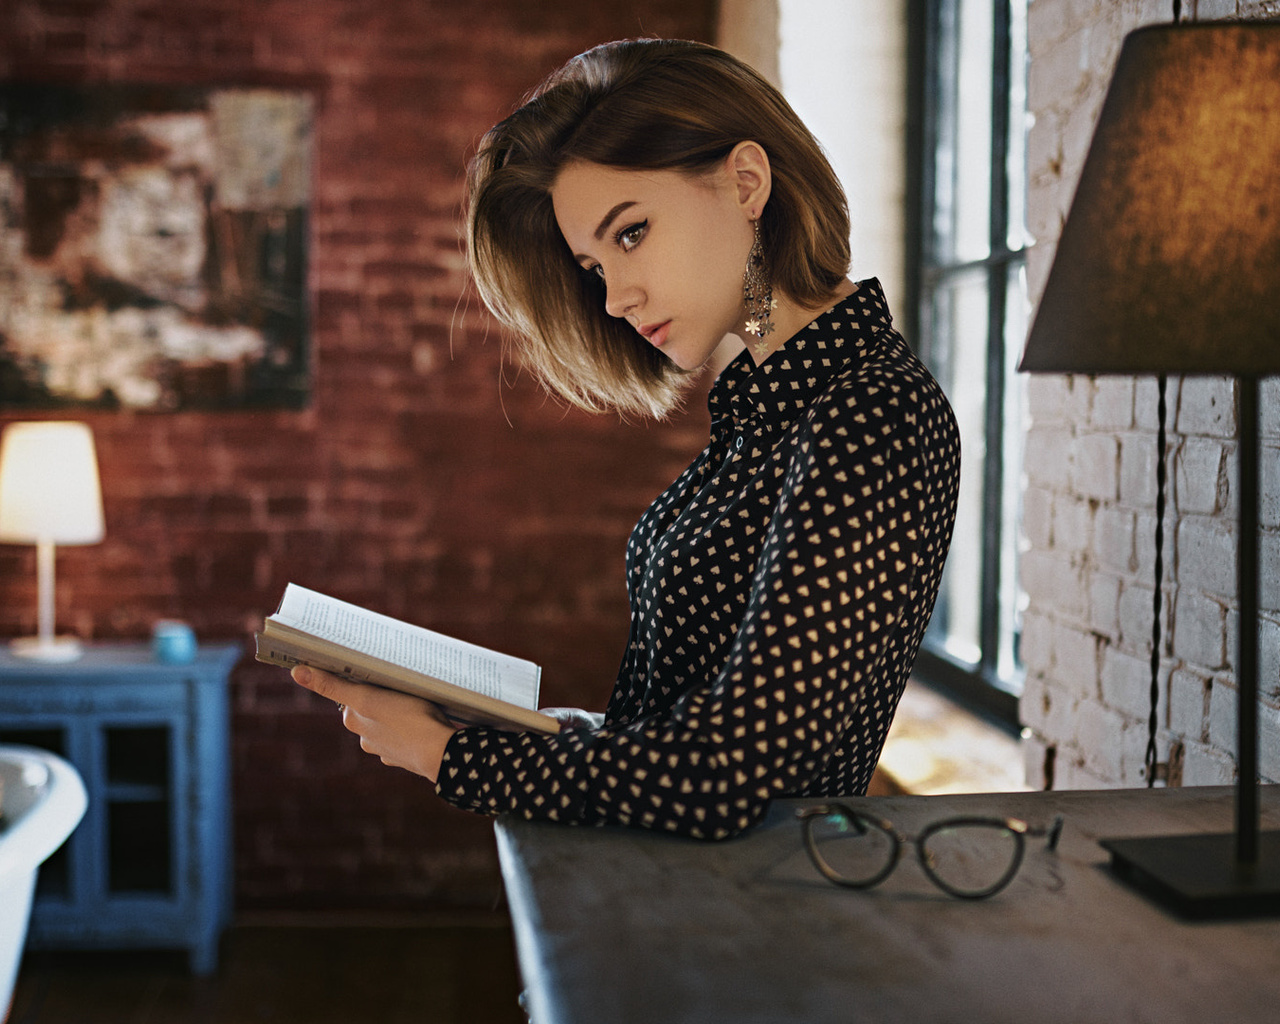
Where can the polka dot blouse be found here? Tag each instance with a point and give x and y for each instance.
(779, 591)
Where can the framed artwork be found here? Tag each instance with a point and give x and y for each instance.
(153, 247)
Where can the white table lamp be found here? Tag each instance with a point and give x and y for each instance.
(49, 494)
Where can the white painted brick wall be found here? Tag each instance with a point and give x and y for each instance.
(1206, 407)
(1200, 476)
(1098, 467)
(1113, 403)
(1138, 464)
(1136, 608)
(1189, 693)
(1089, 505)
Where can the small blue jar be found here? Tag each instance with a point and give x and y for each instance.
(173, 642)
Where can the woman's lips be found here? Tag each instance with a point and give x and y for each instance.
(656, 334)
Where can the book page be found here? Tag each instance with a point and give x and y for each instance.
(443, 657)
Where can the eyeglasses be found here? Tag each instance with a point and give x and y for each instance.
(968, 857)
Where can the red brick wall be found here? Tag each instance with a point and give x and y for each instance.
(416, 482)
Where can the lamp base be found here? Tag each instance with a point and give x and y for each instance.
(1199, 877)
(39, 648)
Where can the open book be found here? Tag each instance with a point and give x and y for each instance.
(472, 684)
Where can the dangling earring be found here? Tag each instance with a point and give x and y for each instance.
(757, 293)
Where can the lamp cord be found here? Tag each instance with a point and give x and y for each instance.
(1152, 723)
(1152, 758)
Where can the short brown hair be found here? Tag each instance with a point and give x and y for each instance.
(654, 104)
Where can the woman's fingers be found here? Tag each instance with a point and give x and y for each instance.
(326, 684)
(404, 731)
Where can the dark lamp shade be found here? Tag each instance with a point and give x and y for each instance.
(1169, 261)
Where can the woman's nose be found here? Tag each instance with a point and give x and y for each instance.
(621, 299)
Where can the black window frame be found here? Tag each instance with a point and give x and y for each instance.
(931, 27)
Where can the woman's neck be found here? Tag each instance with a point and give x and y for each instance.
(789, 318)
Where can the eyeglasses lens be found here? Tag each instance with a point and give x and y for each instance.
(972, 859)
(855, 850)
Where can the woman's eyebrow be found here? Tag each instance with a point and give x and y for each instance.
(610, 217)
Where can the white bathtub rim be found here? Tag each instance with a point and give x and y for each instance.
(48, 808)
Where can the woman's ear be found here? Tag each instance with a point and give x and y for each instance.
(748, 164)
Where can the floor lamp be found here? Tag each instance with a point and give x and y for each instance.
(1169, 263)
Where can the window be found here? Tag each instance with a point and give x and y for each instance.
(967, 274)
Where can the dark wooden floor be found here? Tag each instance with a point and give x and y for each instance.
(288, 973)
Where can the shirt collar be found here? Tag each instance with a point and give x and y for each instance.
(779, 389)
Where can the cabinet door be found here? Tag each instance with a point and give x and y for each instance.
(142, 816)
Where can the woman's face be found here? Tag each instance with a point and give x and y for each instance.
(670, 249)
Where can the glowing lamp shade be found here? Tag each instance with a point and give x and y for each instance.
(49, 495)
(1169, 261)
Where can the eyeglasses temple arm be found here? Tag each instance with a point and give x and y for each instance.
(1055, 832)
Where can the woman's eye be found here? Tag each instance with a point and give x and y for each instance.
(629, 237)
(625, 239)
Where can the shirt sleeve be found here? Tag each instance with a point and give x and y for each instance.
(845, 580)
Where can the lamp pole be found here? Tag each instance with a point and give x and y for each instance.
(44, 593)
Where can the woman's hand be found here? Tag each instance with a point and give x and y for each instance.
(404, 731)
(575, 718)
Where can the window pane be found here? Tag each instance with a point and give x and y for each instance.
(958, 329)
(973, 317)
(1019, 125)
(962, 220)
(1012, 598)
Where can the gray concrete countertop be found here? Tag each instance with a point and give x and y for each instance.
(621, 926)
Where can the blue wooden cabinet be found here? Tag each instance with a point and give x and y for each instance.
(150, 864)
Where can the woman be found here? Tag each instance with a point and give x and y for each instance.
(652, 205)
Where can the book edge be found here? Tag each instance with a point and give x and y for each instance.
(396, 677)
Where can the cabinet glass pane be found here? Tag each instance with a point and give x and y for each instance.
(139, 808)
(53, 739)
(138, 756)
(138, 853)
